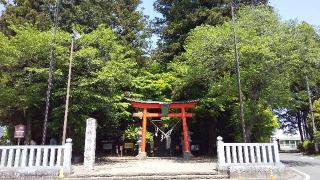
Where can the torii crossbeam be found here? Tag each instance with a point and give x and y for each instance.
(144, 114)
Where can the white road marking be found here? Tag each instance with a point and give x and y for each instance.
(306, 176)
(306, 157)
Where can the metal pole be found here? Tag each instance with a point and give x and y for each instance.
(236, 59)
(314, 128)
(68, 94)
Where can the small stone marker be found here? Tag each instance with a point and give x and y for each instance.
(1, 131)
(90, 144)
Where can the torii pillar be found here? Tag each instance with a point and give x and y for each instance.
(186, 146)
(158, 105)
(142, 154)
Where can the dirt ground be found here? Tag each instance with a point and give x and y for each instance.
(113, 166)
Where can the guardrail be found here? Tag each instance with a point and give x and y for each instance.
(247, 153)
(32, 159)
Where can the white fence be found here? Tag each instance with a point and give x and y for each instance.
(247, 153)
(32, 159)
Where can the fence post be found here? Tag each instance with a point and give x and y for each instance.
(67, 153)
(276, 151)
(220, 150)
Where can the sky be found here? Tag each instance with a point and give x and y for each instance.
(288, 9)
(307, 10)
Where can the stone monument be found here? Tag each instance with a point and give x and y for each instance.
(90, 144)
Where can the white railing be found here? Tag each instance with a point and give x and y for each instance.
(28, 158)
(247, 153)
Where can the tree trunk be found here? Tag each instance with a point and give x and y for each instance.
(28, 137)
(28, 126)
(212, 138)
(304, 119)
(300, 126)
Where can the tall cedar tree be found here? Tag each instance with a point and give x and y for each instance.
(179, 17)
(35, 12)
(121, 15)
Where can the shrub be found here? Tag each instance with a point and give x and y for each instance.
(300, 147)
(132, 134)
(5, 136)
(317, 137)
(308, 147)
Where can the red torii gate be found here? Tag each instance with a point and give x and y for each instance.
(145, 105)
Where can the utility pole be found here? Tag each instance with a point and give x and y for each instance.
(75, 36)
(65, 120)
(314, 128)
(236, 60)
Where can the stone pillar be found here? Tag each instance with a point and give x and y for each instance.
(139, 139)
(276, 151)
(67, 156)
(90, 144)
(222, 166)
(220, 150)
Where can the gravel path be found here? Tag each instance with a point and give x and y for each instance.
(112, 166)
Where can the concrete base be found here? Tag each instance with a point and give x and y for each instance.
(6, 172)
(142, 156)
(187, 156)
(223, 168)
(259, 171)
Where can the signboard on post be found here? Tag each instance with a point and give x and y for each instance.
(19, 132)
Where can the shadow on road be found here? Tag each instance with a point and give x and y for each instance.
(294, 163)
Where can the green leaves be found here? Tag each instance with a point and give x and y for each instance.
(102, 70)
(269, 51)
(316, 113)
(180, 17)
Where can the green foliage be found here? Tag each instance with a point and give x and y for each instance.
(260, 122)
(197, 39)
(24, 72)
(154, 86)
(208, 66)
(316, 113)
(121, 15)
(21, 12)
(103, 70)
(317, 137)
(308, 147)
(179, 17)
(5, 137)
(300, 147)
(132, 134)
(273, 59)
(303, 63)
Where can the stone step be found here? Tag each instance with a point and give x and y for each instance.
(128, 174)
(138, 177)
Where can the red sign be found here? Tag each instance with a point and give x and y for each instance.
(19, 131)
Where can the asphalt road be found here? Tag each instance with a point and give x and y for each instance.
(308, 165)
